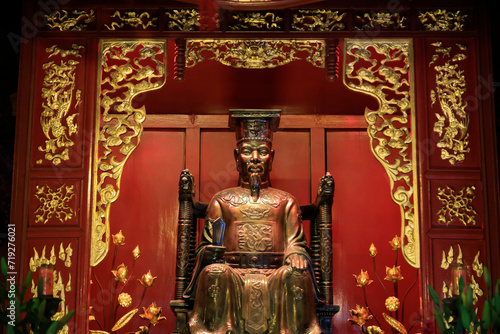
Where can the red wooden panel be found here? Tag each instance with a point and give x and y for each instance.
(67, 273)
(146, 212)
(364, 213)
(59, 99)
(217, 165)
(54, 202)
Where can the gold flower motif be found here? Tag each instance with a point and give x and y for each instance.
(124, 299)
(374, 330)
(395, 243)
(393, 274)
(147, 279)
(392, 303)
(120, 273)
(136, 252)
(360, 315)
(153, 314)
(372, 250)
(363, 279)
(119, 239)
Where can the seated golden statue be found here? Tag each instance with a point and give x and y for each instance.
(253, 272)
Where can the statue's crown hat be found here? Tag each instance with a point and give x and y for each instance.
(254, 124)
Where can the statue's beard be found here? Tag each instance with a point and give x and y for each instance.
(255, 185)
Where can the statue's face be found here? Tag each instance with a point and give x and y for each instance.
(254, 157)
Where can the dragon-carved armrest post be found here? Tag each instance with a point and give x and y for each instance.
(186, 243)
(321, 250)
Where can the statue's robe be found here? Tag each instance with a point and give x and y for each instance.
(254, 289)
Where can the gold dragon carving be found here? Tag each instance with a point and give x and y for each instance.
(442, 20)
(131, 19)
(382, 19)
(452, 124)
(256, 20)
(383, 69)
(255, 53)
(318, 20)
(61, 98)
(183, 19)
(75, 20)
(59, 288)
(127, 68)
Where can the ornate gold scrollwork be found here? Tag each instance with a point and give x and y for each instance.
(318, 20)
(132, 19)
(255, 53)
(59, 93)
(457, 206)
(59, 287)
(381, 19)
(75, 20)
(442, 20)
(383, 69)
(183, 19)
(453, 124)
(54, 203)
(127, 68)
(256, 20)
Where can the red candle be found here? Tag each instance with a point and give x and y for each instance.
(457, 271)
(47, 275)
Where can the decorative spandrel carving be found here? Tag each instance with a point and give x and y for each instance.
(248, 21)
(382, 69)
(376, 20)
(61, 99)
(131, 19)
(255, 53)
(127, 68)
(442, 20)
(183, 19)
(74, 20)
(452, 123)
(54, 203)
(457, 206)
(318, 20)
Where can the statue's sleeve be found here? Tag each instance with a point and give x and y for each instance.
(213, 212)
(294, 231)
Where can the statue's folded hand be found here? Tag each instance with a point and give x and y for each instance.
(214, 254)
(297, 261)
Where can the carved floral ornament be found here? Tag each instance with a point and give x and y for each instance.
(383, 69)
(127, 68)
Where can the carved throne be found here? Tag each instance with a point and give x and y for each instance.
(319, 214)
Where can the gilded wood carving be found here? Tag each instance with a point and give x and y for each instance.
(382, 68)
(127, 68)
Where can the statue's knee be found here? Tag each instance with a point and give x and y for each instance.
(216, 270)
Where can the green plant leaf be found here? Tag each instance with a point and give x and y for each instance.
(487, 279)
(486, 315)
(53, 329)
(434, 295)
(27, 283)
(439, 319)
(464, 316)
(469, 299)
(64, 320)
(461, 284)
(4, 267)
(10, 329)
(40, 287)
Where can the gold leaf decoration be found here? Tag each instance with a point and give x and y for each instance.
(124, 320)
(131, 19)
(382, 68)
(395, 324)
(128, 68)
(256, 21)
(452, 123)
(183, 19)
(60, 100)
(255, 53)
(75, 20)
(53, 203)
(386, 20)
(456, 206)
(318, 20)
(442, 20)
